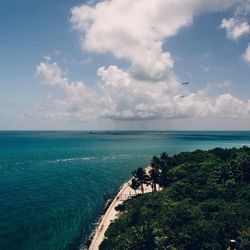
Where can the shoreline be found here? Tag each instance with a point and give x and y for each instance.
(124, 193)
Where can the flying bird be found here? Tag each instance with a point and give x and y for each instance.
(185, 83)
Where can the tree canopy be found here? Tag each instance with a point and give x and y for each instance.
(205, 202)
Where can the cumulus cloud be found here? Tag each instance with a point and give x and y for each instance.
(235, 28)
(118, 96)
(77, 96)
(238, 25)
(246, 55)
(135, 30)
(227, 105)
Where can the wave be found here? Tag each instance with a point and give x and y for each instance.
(73, 159)
(101, 158)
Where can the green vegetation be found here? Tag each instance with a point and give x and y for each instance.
(204, 203)
(140, 178)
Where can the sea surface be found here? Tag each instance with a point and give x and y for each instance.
(53, 185)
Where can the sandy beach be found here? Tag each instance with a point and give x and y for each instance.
(111, 214)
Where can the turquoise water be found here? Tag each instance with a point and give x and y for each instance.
(53, 185)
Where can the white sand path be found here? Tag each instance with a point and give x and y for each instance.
(111, 214)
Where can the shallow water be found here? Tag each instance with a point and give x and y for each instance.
(53, 185)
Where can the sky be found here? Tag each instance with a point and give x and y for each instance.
(120, 65)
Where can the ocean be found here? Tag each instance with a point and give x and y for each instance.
(54, 184)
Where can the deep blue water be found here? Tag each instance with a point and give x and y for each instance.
(53, 185)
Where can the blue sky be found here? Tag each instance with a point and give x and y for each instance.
(39, 37)
(204, 45)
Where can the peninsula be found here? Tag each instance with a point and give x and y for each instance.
(204, 204)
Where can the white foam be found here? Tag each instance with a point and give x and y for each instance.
(74, 159)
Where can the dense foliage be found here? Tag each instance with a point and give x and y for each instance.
(204, 203)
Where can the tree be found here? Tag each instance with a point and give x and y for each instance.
(222, 174)
(156, 162)
(195, 211)
(243, 171)
(141, 177)
(135, 184)
(164, 156)
(234, 168)
(154, 176)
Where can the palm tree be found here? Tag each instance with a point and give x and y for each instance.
(154, 176)
(233, 165)
(134, 184)
(141, 177)
(243, 171)
(156, 162)
(222, 174)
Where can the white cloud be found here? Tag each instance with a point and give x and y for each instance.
(76, 95)
(136, 30)
(228, 106)
(238, 25)
(246, 55)
(148, 89)
(121, 97)
(50, 73)
(47, 58)
(235, 28)
(86, 61)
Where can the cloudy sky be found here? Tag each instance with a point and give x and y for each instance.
(120, 64)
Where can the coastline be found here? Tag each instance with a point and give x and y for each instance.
(125, 192)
